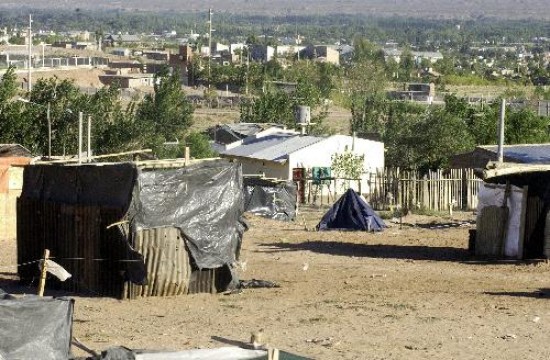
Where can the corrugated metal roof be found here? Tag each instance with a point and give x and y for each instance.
(274, 147)
(524, 153)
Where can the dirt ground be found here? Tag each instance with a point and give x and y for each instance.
(410, 292)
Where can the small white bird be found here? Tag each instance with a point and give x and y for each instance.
(305, 267)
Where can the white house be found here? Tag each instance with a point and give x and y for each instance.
(276, 152)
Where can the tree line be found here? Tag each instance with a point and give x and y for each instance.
(330, 28)
(157, 121)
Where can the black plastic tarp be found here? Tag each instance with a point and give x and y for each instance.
(105, 185)
(351, 212)
(274, 200)
(34, 327)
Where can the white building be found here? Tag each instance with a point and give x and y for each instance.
(276, 152)
(233, 48)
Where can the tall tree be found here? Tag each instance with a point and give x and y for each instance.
(12, 124)
(166, 114)
(366, 79)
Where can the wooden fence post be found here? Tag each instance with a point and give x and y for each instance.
(42, 282)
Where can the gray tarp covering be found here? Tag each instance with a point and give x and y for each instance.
(274, 200)
(205, 201)
(35, 327)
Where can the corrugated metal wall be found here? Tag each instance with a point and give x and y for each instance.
(79, 239)
(166, 260)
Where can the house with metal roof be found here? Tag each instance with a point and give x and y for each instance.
(224, 134)
(520, 153)
(276, 152)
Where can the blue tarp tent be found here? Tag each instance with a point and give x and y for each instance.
(351, 212)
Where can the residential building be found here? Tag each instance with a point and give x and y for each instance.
(261, 53)
(277, 152)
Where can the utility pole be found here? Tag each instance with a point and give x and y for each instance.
(80, 138)
(29, 83)
(48, 116)
(89, 152)
(209, 45)
(247, 67)
(500, 151)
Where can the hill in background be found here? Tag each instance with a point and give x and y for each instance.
(445, 9)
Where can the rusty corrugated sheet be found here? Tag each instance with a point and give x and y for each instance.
(202, 281)
(166, 260)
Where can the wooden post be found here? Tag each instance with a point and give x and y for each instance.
(42, 282)
(522, 221)
(272, 354)
(187, 155)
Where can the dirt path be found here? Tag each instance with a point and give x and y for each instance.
(407, 293)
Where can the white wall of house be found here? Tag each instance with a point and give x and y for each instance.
(320, 154)
(270, 169)
(234, 47)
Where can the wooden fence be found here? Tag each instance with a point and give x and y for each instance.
(435, 190)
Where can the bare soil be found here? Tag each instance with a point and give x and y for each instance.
(410, 292)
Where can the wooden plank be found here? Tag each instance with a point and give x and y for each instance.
(490, 231)
(522, 220)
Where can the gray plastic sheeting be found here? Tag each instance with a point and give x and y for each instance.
(274, 200)
(204, 201)
(35, 327)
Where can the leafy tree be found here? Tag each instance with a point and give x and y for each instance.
(526, 127)
(368, 112)
(8, 86)
(164, 115)
(406, 66)
(270, 107)
(199, 145)
(65, 101)
(12, 125)
(441, 134)
(347, 165)
(400, 134)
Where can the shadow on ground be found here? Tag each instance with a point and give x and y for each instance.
(9, 282)
(232, 342)
(540, 293)
(383, 251)
(373, 251)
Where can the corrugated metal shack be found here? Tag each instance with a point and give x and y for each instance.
(132, 229)
(528, 201)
